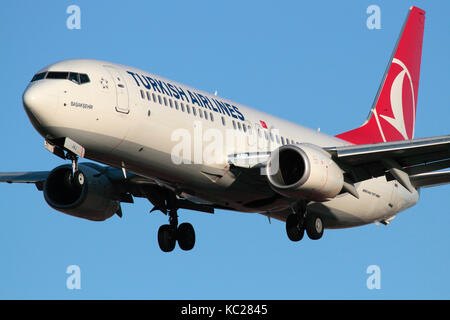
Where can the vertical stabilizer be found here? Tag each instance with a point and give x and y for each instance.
(393, 114)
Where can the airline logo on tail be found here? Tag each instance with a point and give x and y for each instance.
(393, 115)
(402, 103)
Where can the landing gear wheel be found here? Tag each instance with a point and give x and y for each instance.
(166, 238)
(294, 227)
(74, 181)
(314, 227)
(78, 179)
(170, 234)
(186, 236)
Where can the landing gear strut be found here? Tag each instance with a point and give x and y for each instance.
(75, 178)
(299, 221)
(72, 157)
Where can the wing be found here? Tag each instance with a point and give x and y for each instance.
(133, 185)
(414, 163)
(24, 177)
(36, 177)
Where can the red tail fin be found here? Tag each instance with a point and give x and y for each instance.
(393, 114)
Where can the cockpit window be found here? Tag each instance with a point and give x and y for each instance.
(57, 75)
(75, 77)
(39, 76)
(84, 78)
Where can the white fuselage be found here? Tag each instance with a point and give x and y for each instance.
(125, 117)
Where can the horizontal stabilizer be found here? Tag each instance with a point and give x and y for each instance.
(430, 179)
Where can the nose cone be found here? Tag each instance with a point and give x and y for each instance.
(31, 99)
(39, 104)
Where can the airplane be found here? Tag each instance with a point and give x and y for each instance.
(182, 148)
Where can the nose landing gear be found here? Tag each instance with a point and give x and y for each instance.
(75, 178)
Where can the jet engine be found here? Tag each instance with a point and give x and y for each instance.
(88, 194)
(304, 171)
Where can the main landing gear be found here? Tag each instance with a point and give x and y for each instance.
(299, 221)
(169, 234)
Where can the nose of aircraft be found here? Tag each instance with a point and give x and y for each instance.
(31, 99)
(39, 103)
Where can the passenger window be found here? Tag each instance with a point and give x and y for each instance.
(84, 78)
(170, 103)
(148, 95)
(223, 121)
(165, 101)
(188, 109)
(159, 100)
(74, 77)
(211, 117)
(239, 125)
(200, 113)
(282, 141)
(176, 104)
(271, 136)
(206, 115)
(244, 127)
(142, 94)
(265, 135)
(249, 129)
(194, 112)
(154, 97)
(182, 106)
(234, 125)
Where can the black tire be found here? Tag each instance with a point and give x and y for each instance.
(166, 238)
(294, 228)
(79, 179)
(186, 236)
(314, 227)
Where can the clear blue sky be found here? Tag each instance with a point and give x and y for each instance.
(314, 62)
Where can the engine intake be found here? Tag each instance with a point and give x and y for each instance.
(304, 171)
(93, 200)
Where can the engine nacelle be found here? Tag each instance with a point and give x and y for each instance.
(304, 171)
(93, 200)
